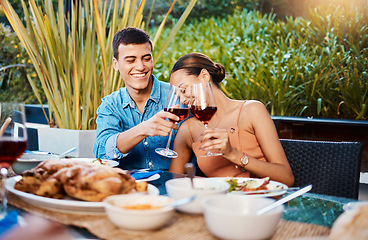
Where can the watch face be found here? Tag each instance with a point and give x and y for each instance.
(244, 160)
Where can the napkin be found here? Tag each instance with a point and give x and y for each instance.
(8, 222)
(142, 175)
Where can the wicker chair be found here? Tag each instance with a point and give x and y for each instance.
(333, 168)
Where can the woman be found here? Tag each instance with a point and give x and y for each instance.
(242, 131)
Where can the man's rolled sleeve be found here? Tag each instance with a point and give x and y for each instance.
(112, 151)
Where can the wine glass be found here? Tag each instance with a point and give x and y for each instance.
(203, 106)
(174, 104)
(13, 141)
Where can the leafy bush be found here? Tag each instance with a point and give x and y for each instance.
(17, 5)
(203, 9)
(295, 67)
(14, 67)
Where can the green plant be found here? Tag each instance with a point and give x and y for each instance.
(352, 87)
(203, 9)
(72, 53)
(14, 67)
(296, 67)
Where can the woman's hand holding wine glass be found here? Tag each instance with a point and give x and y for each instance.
(13, 141)
(175, 105)
(203, 106)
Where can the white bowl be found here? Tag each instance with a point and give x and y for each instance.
(179, 188)
(135, 219)
(353, 205)
(30, 160)
(233, 217)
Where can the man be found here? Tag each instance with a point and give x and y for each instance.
(131, 122)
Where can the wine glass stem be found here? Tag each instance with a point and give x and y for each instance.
(4, 174)
(209, 153)
(168, 142)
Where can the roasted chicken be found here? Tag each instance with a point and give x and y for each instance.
(81, 180)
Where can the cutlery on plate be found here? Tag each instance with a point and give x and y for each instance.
(144, 174)
(284, 200)
(266, 191)
(137, 170)
(67, 152)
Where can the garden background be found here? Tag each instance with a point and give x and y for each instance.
(297, 59)
(301, 58)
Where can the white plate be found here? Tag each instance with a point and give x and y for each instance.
(36, 157)
(30, 161)
(29, 157)
(151, 178)
(66, 204)
(271, 194)
(112, 163)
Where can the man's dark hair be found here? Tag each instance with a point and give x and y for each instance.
(127, 36)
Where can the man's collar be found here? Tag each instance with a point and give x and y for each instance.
(154, 96)
(155, 93)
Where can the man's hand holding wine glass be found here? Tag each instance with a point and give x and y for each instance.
(174, 105)
(158, 125)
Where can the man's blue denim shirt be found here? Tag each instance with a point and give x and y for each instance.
(118, 113)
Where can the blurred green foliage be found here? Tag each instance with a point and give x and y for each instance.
(17, 5)
(202, 10)
(14, 67)
(297, 67)
(14, 62)
(314, 66)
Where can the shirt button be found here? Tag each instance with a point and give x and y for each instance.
(145, 143)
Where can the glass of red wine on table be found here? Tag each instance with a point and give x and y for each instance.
(174, 104)
(13, 142)
(203, 106)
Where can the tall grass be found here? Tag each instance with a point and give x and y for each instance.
(72, 53)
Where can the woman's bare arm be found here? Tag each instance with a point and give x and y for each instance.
(255, 118)
(182, 145)
(277, 166)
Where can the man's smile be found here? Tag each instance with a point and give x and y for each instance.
(139, 75)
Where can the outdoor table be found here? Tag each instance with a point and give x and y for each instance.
(307, 215)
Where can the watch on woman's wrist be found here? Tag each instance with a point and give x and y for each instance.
(244, 160)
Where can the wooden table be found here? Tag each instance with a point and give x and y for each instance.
(307, 215)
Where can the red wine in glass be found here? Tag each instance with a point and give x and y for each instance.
(10, 150)
(13, 142)
(182, 113)
(203, 115)
(203, 106)
(177, 107)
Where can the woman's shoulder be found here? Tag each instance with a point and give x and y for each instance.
(251, 112)
(253, 103)
(190, 122)
(247, 105)
(186, 130)
(191, 126)
(252, 106)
